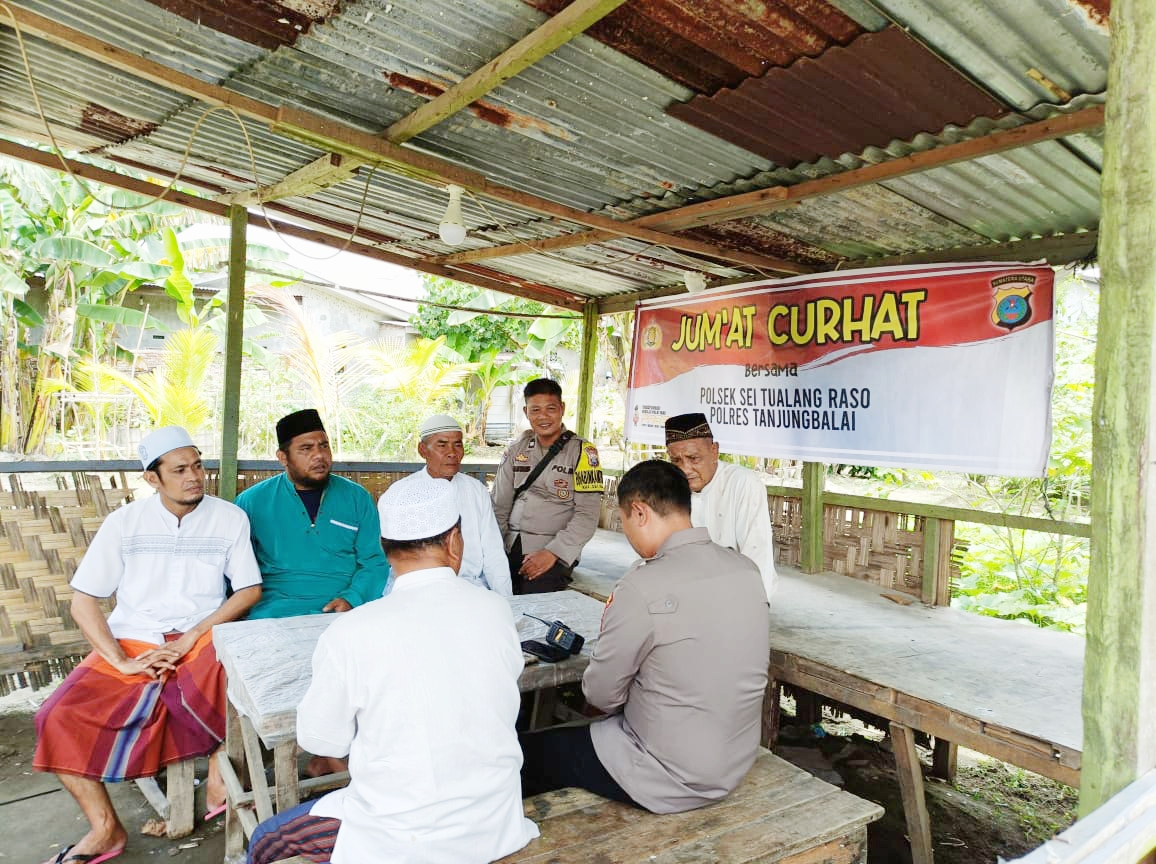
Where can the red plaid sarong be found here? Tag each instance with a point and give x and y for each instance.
(107, 726)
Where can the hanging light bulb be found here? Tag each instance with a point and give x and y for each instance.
(695, 281)
(452, 229)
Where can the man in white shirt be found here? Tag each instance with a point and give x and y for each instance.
(484, 559)
(152, 691)
(730, 501)
(420, 690)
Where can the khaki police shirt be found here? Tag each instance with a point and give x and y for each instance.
(559, 512)
(681, 666)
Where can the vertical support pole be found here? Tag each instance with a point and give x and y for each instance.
(811, 539)
(1120, 662)
(589, 354)
(234, 331)
(931, 527)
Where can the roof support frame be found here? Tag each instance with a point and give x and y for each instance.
(763, 201)
(527, 51)
(348, 141)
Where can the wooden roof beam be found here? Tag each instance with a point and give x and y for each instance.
(472, 275)
(763, 201)
(557, 31)
(348, 141)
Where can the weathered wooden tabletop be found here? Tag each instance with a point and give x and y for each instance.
(268, 661)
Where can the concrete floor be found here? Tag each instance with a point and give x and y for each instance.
(38, 818)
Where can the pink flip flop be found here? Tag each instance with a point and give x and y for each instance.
(215, 812)
(81, 858)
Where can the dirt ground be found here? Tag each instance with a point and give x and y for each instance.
(992, 810)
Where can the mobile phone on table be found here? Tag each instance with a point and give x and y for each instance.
(544, 650)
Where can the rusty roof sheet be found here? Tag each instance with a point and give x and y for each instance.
(883, 86)
(707, 46)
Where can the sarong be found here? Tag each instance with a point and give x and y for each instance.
(107, 726)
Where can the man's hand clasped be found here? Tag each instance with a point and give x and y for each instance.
(538, 563)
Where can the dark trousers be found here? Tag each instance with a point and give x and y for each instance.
(557, 578)
(562, 757)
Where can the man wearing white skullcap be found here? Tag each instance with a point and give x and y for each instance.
(433, 756)
(484, 559)
(169, 559)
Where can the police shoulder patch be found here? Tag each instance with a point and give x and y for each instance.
(588, 472)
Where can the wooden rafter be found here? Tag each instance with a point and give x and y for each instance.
(557, 31)
(1056, 249)
(470, 274)
(763, 201)
(348, 141)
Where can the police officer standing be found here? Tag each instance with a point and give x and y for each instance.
(547, 494)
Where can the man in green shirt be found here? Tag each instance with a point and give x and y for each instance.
(316, 535)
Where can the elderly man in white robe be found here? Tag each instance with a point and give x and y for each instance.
(730, 501)
(484, 559)
(420, 690)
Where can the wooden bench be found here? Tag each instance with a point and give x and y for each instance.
(779, 813)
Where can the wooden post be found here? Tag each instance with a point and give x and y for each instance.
(811, 540)
(589, 354)
(234, 332)
(1120, 664)
(909, 771)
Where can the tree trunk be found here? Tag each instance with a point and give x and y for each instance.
(9, 379)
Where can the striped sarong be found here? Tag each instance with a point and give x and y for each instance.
(294, 833)
(107, 726)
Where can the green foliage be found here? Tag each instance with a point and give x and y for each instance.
(474, 336)
(1009, 573)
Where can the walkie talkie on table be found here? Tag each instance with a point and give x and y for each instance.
(561, 642)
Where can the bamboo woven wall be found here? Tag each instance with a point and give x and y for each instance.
(883, 548)
(43, 536)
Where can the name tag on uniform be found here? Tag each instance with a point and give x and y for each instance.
(342, 525)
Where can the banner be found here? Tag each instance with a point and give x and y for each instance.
(933, 367)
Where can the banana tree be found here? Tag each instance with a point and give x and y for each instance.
(55, 234)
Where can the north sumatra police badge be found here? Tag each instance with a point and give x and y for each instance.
(1013, 306)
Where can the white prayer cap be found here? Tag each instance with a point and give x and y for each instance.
(161, 441)
(418, 508)
(438, 423)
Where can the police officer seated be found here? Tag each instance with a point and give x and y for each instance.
(680, 665)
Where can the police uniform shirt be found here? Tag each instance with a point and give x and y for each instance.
(681, 666)
(559, 511)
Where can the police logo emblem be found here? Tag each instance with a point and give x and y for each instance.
(1013, 306)
(564, 494)
(652, 337)
(521, 457)
(591, 456)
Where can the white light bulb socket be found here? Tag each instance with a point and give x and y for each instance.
(452, 229)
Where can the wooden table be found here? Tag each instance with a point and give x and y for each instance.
(269, 666)
(1005, 688)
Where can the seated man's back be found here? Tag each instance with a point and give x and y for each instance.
(420, 690)
(432, 673)
(691, 715)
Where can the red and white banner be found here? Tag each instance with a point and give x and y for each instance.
(934, 367)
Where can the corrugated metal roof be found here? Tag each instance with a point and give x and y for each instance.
(85, 111)
(586, 126)
(883, 86)
(140, 27)
(1026, 52)
(264, 23)
(706, 46)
